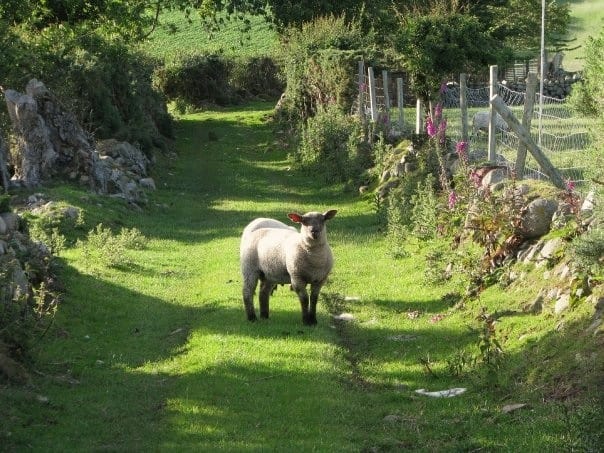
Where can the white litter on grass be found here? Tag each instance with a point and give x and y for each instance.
(449, 393)
(512, 407)
(344, 317)
(352, 299)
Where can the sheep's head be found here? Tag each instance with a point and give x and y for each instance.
(313, 223)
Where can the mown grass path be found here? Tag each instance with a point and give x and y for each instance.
(158, 356)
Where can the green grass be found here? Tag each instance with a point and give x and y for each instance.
(158, 356)
(177, 36)
(587, 19)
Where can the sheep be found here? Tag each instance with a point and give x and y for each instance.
(275, 253)
(480, 122)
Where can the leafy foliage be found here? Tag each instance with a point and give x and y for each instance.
(319, 62)
(106, 85)
(198, 80)
(330, 145)
(588, 98)
(107, 249)
(437, 46)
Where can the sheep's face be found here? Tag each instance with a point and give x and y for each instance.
(313, 223)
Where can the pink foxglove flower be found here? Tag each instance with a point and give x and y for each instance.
(452, 199)
(476, 178)
(442, 129)
(430, 128)
(462, 151)
(438, 111)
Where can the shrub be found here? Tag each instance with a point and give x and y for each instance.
(330, 146)
(105, 248)
(588, 98)
(256, 77)
(105, 83)
(198, 80)
(589, 251)
(319, 61)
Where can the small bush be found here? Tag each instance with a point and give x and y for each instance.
(256, 77)
(589, 251)
(103, 247)
(330, 145)
(198, 80)
(320, 63)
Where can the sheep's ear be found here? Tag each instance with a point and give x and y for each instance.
(294, 217)
(330, 214)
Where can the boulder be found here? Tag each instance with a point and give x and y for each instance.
(537, 218)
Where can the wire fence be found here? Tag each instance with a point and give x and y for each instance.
(559, 132)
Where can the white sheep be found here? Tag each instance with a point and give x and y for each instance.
(275, 253)
(480, 122)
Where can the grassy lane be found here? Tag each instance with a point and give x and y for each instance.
(158, 356)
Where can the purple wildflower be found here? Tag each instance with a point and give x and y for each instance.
(570, 185)
(430, 128)
(438, 111)
(452, 199)
(476, 178)
(442, 128)
(462, 151)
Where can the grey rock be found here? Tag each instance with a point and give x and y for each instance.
(537, 218)
(11, 221)
(562, 303)
(493, 177)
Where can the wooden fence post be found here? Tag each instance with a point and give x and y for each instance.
(492, 156)
(401, 101)
(463, 106)
(372, 94)
(499, 106)
(529, 104)
(418, 117)
(386, 93)
(362, 91)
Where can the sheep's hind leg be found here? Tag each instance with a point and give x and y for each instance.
(249, 287)
(266, 289)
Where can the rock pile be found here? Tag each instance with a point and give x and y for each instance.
(51, 143)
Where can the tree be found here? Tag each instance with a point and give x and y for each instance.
(436, 46)
(515, 24)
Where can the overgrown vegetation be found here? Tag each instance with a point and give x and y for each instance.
(588, 98)
(193, 81)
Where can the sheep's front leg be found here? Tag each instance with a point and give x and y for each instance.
(300, 289)
(266, 288)
(315, 288)
(249, 287)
